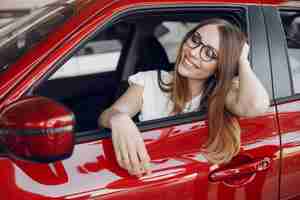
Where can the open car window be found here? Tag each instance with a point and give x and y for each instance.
(97, 73)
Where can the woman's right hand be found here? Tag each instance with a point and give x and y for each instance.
(129, 146)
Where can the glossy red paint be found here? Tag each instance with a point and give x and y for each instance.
(45, 133)
(180, 169)
(243, 170)
(47, 114)
(289, 118)
(178, 173)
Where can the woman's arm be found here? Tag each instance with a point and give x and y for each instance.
(130, 150)
(130, 103)
(247, 96)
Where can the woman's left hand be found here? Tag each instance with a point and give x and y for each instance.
(247, 97)
(245, 53)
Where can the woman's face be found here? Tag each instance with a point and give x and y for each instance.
(200, 53)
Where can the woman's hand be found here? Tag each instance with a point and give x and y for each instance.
(247, 97)
(129, 146)
(244, 54)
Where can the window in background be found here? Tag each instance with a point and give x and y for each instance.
(291, 22)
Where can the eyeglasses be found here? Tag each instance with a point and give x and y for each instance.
(206, 53)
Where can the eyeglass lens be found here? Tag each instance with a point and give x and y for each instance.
(206, 52)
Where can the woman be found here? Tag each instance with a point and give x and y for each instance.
(205, 77)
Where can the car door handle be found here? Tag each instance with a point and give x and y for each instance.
(244, 169)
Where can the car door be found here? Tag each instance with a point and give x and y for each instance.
(173, 144)
(180, 171)
(283, 31)
(254, 172)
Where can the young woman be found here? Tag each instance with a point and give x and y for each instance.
(212, 72)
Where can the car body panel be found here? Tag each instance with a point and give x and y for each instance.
(180, 173)
(289, 118)
(288, 105)
(180, 168)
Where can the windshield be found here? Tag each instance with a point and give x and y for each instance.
(21, 34)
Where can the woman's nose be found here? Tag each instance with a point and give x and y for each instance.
(195, 52)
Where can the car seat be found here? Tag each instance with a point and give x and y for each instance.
(151, 56)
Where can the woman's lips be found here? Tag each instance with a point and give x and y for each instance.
(187, 62)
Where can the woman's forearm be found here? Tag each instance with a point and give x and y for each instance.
(106, 117)
(252, 95)
(128, 105)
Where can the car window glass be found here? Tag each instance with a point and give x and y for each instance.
(291, 24)
(87, 82)
(97, 56)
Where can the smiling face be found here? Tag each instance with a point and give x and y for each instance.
(199, 55)
(223, 43)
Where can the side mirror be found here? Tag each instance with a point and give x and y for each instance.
(37, 129)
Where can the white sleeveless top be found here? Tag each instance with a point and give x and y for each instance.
(156, 103)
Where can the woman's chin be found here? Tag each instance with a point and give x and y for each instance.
(183, 71)
(189, 73)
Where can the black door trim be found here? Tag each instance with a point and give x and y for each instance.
(278, 53)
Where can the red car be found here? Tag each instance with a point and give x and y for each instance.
(63, 64)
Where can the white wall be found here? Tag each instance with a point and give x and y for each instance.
(21, 4)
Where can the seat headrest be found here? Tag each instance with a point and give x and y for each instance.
(293, 33)
(152, 55)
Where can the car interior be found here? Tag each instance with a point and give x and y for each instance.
(291, 25)
(89, 95)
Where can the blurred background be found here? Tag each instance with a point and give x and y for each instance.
(11, 9)
(22, 4)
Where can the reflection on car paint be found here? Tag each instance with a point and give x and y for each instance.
(95, 173)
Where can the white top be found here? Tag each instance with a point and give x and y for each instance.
(156, 103)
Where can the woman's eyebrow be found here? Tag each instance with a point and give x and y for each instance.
(199, 35)
(205, 43)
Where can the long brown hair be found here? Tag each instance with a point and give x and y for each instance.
(224, 130)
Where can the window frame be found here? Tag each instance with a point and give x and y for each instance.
(198, 115)
(252, 12)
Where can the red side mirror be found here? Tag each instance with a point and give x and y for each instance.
(37, 129)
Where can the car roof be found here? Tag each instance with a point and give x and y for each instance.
(135, 2)
(100, 4)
